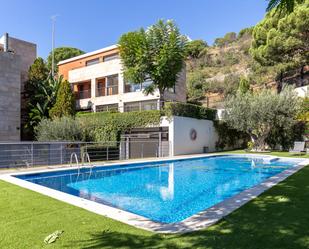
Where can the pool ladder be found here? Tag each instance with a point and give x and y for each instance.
(84, 156)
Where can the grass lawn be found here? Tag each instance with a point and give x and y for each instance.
(277, 219)
(274, 153)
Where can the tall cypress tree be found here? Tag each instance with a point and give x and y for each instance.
(65, 102)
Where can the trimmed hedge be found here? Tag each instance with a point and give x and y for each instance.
(189, 110)
(107, 126)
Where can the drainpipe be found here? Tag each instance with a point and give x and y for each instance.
(6, 43)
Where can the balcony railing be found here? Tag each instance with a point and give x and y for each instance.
(86, 94)
(106, 91)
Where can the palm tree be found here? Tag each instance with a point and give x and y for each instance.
(45, 99)
(283, 5)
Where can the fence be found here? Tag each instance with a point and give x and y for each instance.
(28, 154)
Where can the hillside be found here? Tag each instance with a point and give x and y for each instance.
(218, 69)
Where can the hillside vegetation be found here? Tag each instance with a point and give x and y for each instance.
(270, 52)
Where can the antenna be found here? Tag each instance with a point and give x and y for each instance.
(53, 18)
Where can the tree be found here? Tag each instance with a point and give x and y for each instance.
(62, 53)
(283, 5)
(194, 48)
(44, 100)
(156, 54)
(37, 73)
(246, 32)
(227, 39)
(196, 84)
(65, 102)
(283, 42)
(260, 114)
(244, 85)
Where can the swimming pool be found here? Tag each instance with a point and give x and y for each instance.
(166, 191)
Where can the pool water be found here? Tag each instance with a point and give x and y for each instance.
(168, 191)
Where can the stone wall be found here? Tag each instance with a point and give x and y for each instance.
(27, 52)
(10, 82)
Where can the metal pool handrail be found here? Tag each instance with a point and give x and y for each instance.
(86, 155)
(74, 155)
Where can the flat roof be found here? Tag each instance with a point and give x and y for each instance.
(17, 39)
(88, 54)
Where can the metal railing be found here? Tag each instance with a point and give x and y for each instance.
(107, 91)
(29, 154)
(86, 94)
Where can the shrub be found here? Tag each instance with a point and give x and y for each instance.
(229, 137)
(194, 48)
(59, 129)
(105, 126)
(189, 110)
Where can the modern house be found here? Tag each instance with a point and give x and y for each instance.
(98, 83)
(16, 56)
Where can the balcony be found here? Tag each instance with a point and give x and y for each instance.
(95, 71)
(82, 90)
(107, 86)
(85, 94)
(107, 91)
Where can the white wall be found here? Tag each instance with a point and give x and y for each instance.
(179, 135)
(302, 91)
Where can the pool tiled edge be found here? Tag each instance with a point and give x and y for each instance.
(198, 221)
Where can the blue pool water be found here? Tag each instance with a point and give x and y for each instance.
(168, 191)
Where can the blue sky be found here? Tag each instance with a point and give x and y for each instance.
(93, 24)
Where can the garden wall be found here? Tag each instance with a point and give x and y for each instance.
(190, 135)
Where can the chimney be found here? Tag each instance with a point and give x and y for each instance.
(6, 43)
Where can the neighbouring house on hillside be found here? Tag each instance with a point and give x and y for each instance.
(99, 85)
(16, 56)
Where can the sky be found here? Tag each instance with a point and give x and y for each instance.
(93, 24)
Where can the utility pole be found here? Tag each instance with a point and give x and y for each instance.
(53, 18)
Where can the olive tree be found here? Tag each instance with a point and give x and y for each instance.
(258, 114)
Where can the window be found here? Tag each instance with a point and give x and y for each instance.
(107, 108)
(141, 106)
(149, 105)
(101, 87)
(111, 57)
(107, 86)
(112, 84)
(130, 87)
(92, 62)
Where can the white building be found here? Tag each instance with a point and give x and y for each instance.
(99, 85)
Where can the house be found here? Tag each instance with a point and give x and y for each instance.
(98, 83)
(16, 56)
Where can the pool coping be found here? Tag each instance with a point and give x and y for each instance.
(198, 221)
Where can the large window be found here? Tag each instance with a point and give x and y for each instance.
(107, 86)
(141, 106)
(130, 87)
(112, 85)
(111, 57)
(92, 62)
(107, 108)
